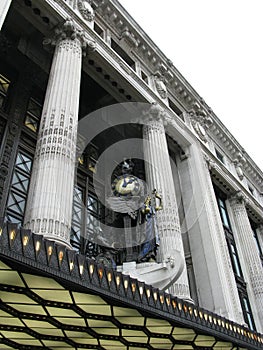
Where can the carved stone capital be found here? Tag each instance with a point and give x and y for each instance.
(154, 118)
(68, 30)
(86, 10)
(155, 112)
(209, 162)
(238, 198)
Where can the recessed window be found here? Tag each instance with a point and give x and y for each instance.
(4, 85)
(77, 218)
(223, 213)
(174, 108)
(248, 316)
(144, 77)
(240, 282)
(122, 54)
(235, 260)
(220, 156)
(33, 115)
(16, 202)
(86, 215)
(98, 30)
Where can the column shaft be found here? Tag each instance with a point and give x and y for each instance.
(159, 176)
(253, 266)
(49, 207)
(215, 282)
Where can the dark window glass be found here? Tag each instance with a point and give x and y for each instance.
(247, 312)
(16, 202)
(89, 158)
(86, 216)
(33, 115)
(93, 214)
(4, 85)
(122, 54)
(176, 110)
(144, 77)
(236, 264)
(77, 217)
(98, 30)
(223, 212)
(220, 156)
(240, 282)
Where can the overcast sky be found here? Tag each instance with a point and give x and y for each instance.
(217, 46)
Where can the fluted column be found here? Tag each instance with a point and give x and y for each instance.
(49, 205)
(246, 242)
(4, 7)
(159, 176)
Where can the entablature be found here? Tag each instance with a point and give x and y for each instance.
(131, 35)
(236, 153)
(230, 184)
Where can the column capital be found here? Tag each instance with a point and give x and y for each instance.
(69, 30)
(238, 198)
(155, 113)
(210, 163)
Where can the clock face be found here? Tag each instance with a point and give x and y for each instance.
(126, 185)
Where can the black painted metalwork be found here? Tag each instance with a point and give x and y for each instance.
(25, 251)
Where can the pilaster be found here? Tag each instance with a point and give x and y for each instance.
(159, 176)
(252, 262)
(214, 276)
(50, 196)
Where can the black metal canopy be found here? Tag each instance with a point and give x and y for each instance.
(54, 298)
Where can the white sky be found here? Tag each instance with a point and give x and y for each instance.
(217, 46)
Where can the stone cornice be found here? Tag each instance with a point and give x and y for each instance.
(121, 22)
(219, 133)
(235, 186)
(176, 85)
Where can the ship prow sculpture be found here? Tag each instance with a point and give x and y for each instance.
(138, 240)
(160, 275)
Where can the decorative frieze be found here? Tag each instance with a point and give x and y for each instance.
(128, 36)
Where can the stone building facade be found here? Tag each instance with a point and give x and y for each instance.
(61, 62)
